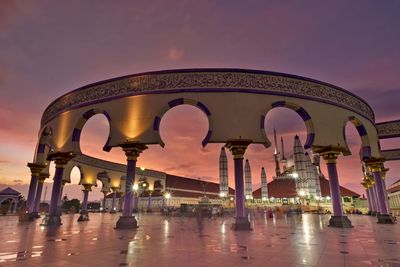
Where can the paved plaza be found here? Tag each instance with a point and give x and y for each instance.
(286, 241)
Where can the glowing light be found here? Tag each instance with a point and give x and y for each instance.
(264, 199)
(302, 193)
(231, 198)
(328, 198)
(295, 175)
(142, 168)
(272, 198)
(222, 194)
(167, 195)
(135, 187)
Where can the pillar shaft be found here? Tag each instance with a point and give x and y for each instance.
(31, 193)
(85, 199)
(114, 197)
(56, 191)
(335, 189)
(104, 201)
(239, 188)
(130, 179)
(383, 205)
(38, 196)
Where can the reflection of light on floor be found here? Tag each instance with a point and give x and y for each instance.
(223, 230)
(11, 241)
(11, 256)
(306, 224)
(166, 229)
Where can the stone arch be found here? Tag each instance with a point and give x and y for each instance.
(183, 101)
(44, 145)
(76, 133)
(301, 112)
(365, 150)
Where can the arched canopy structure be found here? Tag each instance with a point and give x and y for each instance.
(235, 102)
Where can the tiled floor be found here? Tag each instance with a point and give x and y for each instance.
(291, 241)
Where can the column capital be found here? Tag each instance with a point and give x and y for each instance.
(238, 147)
(87, 187)
(375, 164)
(61, 158)
(36, 168)
(43, 176)
(132, 149)
(329, 153)
(115, 189)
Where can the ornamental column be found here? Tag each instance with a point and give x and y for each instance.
(238, 148)
(36, 207)
(149, 201)
(330, 155)
(84, 212)
(36, 168)
(375, 166)
(132, 151)
(60, 159)
(103, 205)
(114, 198)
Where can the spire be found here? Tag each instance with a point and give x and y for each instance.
(264, 185)
(276, 157)
(247, 178)
(223, 173)
(283, 149)
(276, 143)
(300, 166)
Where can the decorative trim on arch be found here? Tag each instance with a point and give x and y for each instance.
(182, 101)
(302, 113)
(76, 133)
(365, 151)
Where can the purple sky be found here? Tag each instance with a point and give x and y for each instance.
(48, 48)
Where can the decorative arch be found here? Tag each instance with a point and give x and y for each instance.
(183, 101)
(44, 142)
(365, 151)
(301, 112)
(76, 133)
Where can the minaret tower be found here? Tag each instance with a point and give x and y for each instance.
(247, 180)
(223, 174)
(276, 157)
(312, 173)
(300, 167)
(264, 185)
(284, 160)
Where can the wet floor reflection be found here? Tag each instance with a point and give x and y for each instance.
(283, 240)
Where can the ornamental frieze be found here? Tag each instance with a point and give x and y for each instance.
(148, 83)
(388, 129)
(393, 154)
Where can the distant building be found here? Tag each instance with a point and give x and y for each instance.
(9, 199)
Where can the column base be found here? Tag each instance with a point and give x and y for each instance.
(340, 222)
(35, 215)
(127, 222)
(113, 211)
(26, 217)
(386, 219)
(83, 217)
(373, 213)
(51, 221)
(241, 224)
